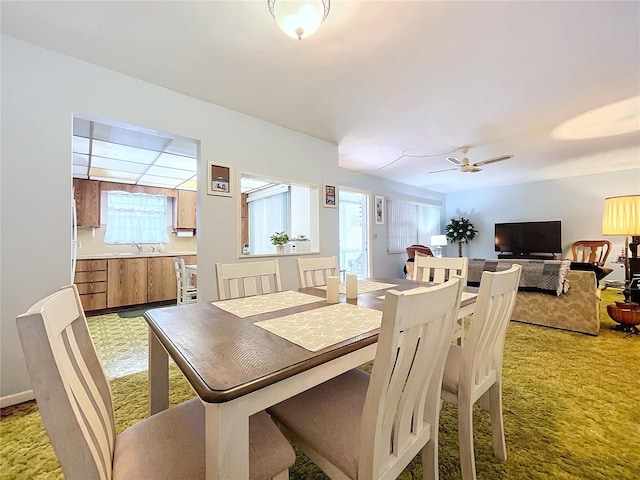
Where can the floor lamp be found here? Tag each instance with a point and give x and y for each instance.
(622, 217)
(438, 241)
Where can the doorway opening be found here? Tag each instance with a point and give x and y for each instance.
(353, 207)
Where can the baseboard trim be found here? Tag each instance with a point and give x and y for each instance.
(16, 398)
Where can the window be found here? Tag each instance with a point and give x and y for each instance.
(411, 223)
(269, 205)
(136, 218)
(269, 212)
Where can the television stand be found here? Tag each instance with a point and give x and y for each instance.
(527, 256)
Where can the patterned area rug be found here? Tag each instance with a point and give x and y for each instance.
(570, 408)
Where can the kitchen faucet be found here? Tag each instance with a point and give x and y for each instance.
(138, 246)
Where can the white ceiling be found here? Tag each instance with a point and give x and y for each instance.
(398, 85)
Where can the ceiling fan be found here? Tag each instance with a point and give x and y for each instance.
(465, 166)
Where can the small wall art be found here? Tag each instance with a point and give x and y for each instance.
(378, 209)
(330, 196)
(219, 178)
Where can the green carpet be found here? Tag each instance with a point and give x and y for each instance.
(570, 407)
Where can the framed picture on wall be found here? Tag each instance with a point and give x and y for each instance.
(219, 180)
(378, 208)
(330, 196)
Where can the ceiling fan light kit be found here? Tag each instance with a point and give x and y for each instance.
(299, 18)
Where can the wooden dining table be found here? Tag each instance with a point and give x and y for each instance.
(238, 368)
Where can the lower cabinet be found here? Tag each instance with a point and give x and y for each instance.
(161, 274)
(122, 282)
(126, 281)
(91, 281)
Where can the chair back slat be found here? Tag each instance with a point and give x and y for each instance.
(246, 279)
(313, 272)
(439, 269)
(483, 349)
(401, 409)
(69, 383)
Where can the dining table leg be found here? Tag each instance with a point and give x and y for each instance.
(227, 440)
(158, 375)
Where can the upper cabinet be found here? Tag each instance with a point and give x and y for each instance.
(87, 196)
(185, 210)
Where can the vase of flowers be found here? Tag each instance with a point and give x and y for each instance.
(460, 230)
(279, 239)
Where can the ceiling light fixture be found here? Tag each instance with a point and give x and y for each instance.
(299, 18)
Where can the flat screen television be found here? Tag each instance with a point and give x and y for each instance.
(524, 238)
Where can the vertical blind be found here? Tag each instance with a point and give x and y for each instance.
(136, 218)
(410, 224)
(267, 215)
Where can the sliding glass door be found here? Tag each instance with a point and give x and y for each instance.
(354, 231)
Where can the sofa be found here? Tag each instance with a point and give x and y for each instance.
(550, 293)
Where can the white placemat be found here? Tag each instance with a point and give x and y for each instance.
(248, 306)
(322, 327)
(364, 286)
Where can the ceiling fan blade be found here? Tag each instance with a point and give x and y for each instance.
(474, 170)
(493, 160)
(454, 160)
(445, 170)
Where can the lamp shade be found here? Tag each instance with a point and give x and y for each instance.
(438, 240)
(621, 215)
(299, 18)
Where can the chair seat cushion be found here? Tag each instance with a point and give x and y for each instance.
(452, 369)
(315, 417)
(170, 445)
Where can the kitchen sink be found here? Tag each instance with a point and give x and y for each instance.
(123, 254)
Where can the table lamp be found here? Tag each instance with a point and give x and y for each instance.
(622, 217)
(438, 241)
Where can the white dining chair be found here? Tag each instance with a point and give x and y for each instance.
(247, 278)
(427, 268)
(474, 371)
(74, 401)
(371, 427)
(185, 291)
(313, 272)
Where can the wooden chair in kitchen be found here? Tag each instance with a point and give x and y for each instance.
(594, 252)
(427, 268)
(363, 426)
(186, 292)
(313, 272)
(75, 403)
(247, 279)
(474, 371)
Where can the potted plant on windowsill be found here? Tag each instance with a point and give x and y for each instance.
(279, 239)
(460, 230)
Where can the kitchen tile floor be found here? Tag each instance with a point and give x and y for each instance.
(121, 343)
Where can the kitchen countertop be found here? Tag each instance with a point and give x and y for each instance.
(102, 256)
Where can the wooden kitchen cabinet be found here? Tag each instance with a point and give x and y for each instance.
(87, 196)
(91, 281)
(127, 281)
(185, 210)
(161, 274)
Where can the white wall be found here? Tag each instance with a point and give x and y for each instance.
(41, 92)
(578, 202)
